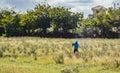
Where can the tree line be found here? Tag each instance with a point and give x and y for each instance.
(105, 25)
(47, 21)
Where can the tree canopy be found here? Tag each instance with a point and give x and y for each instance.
(45, 20)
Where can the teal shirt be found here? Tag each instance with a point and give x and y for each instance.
(75, 45)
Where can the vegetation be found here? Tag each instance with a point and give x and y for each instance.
(47, 21)
(105, 24)
(36, 55)
(51, 55)
(43, 20)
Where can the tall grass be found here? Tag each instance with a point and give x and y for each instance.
(92, 52)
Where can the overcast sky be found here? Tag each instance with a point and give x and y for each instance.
(75, 5)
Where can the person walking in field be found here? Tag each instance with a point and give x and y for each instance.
(76, 46)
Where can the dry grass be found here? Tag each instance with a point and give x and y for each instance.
(92, 52)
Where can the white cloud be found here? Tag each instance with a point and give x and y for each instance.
(55, 2)
(37, 0)
(75, 5)
(81, 5)
(3, 4)
(106, 3)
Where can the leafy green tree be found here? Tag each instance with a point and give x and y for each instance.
(43, 19)
(114, 17)
(63, 20)
(6, 19)
(27, 22)
(104, 22)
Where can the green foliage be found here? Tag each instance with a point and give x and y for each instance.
(37, 21)
(44, 20)
(63, 19)
(105, 22)
(41, 12)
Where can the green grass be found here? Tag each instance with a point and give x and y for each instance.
(44, 55)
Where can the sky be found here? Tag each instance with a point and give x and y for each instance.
(74, 5)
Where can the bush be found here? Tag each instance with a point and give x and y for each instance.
(117, 63)
(66, 70)
(35, 56)
(71, 69)
(59, 59)
(15, 55)
(1, 53)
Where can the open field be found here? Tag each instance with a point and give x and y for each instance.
(50, 55)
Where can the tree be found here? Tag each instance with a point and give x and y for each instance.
(42, 17)
(114, 17)
(42, 20)
(105, 22)
(6, 19)
(27, 22)
(64, 20)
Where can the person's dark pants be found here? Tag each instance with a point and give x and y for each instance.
(75, 50)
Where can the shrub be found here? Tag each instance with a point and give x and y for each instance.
(59, 59)
(15, 55)
(35, 56)
(71, 69)
(66, 70)
(1, 53)
(76, 69)
(117, 63)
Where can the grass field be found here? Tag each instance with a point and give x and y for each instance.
(50, 55)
